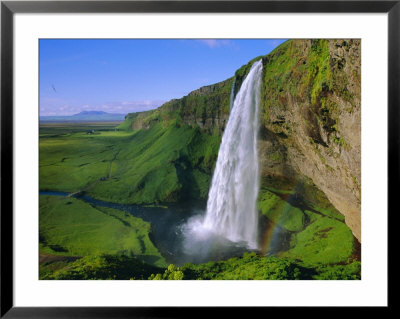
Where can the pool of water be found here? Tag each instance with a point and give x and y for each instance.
(172, 236)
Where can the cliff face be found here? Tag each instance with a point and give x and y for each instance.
(310, 130)
(206, 108)
(311, 120)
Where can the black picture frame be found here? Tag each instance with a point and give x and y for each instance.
(9, 8)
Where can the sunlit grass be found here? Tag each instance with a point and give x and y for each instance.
(72, 227)
(162, 164)
(324, 241)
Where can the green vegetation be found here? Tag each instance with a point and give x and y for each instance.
(171, 273)
(255, 267)
(302, 191)
(104, 267)
(276, 157)
(70, 163)
(71, 227)
(287, 71)
(310, 76)
(351, 271)
(316, 200)
(319, 236)
(324, 241)
(161, 164)
(249, 267)
(64, 128)
(127, 124)
(280, 211)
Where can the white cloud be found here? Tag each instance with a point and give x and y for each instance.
(275, 42)
(134, 106)
(124, 107)
(215, 43)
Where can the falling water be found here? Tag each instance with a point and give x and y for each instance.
(231, 207)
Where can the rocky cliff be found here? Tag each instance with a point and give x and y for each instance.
(311, 120)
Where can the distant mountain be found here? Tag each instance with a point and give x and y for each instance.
(85, 116)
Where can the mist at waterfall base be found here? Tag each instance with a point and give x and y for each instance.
(230, 224)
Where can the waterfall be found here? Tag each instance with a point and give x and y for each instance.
(231, 206)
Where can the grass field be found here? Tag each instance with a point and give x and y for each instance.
(162, 164)
(62, 128)
(72, 227)
(324, 241)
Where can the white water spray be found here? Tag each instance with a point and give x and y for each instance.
(231, 207)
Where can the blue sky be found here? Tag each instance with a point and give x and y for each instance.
(123, 76)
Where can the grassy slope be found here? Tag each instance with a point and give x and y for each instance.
(71, 227)
(69, 163)
(323, 241)
(319, 236)
(162, 164)
(144, 166)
